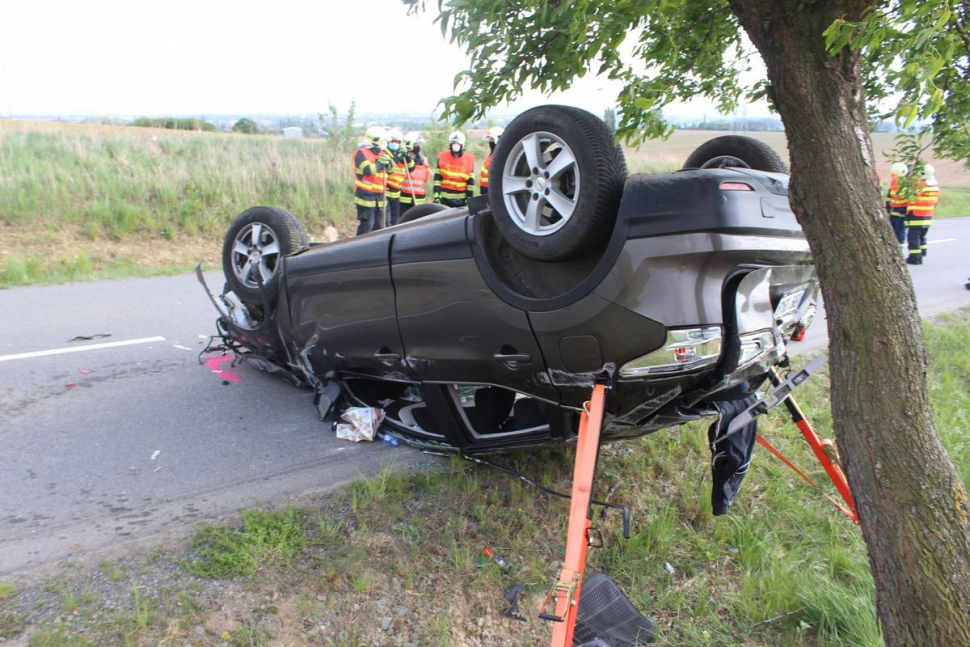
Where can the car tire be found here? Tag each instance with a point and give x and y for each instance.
(420, 211)
(549, 210)
(736, 151)
(259, 238)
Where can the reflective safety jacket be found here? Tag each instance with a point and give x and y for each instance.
(893, 201)
(415, 190)
(398, 175)
(484, 174)
(920, 211)
(455, 177)
(369, 178)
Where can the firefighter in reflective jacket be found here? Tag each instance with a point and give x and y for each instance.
(919, 214)
(491, 136)
(403, 164)
(371, 164)
(415, 188)
(454, 180)
(895, 204)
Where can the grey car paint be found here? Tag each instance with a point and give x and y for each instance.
(443, 301)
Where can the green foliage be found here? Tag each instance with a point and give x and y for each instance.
(918, 52)
(680, 51)
(173, 123)
(909, 148)
(246, 126)
(342, 135)
(609, 118)
(918, 56)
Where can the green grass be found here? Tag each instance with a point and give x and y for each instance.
(7, 591)
(12, 623)
(267, 539)
(783, 568)
(953, 202)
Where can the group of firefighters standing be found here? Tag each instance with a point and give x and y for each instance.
(391, 175)
(915, 212)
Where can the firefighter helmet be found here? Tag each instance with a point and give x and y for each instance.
(411, 139)
(928, 173)
(493, 133)
(899, 169)
(395, 135)
(375, 136)
(457, 137)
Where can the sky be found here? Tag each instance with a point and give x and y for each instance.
(106, 57)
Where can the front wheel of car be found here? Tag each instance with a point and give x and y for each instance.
(557, 181)
(736, 151)
(253, 252)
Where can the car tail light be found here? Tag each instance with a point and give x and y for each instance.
(686, 349)
(735, 186)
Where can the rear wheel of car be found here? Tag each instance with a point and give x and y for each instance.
(420, 211)
(556, 184)
(254, 248)
(736, 151)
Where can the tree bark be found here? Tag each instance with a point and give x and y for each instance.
(913, 508)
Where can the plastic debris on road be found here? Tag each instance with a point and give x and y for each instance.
(387, 439)
(495, 558)
(359, 423)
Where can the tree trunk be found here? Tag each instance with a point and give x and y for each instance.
(913, 508)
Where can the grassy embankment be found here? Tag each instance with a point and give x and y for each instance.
(397, 559)
(84, 202)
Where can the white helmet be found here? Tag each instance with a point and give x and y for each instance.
(928, 173)
(411, 139)
(375, 136)
(899, 169)
(395, 135)
(493, 133)
(457, 138)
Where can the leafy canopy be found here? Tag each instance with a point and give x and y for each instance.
(917, 57)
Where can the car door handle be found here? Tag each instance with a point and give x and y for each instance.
(385, 355)
(520, 358)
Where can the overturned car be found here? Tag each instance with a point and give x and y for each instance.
(484, 328)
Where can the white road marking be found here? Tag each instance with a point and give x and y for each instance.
(78, 349)
(943, 240)
(180, 346)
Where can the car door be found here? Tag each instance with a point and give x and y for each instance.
(342, 308)
(455, 329)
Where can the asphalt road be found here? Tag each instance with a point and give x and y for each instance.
(939, 283)
(147, 441)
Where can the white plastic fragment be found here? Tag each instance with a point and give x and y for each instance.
(155, 455)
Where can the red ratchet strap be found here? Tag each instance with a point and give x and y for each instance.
(566, 591)
(771, 448)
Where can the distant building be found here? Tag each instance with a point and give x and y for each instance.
(293, 131)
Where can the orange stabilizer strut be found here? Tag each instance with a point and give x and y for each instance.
(835, 473)
(567, 588)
